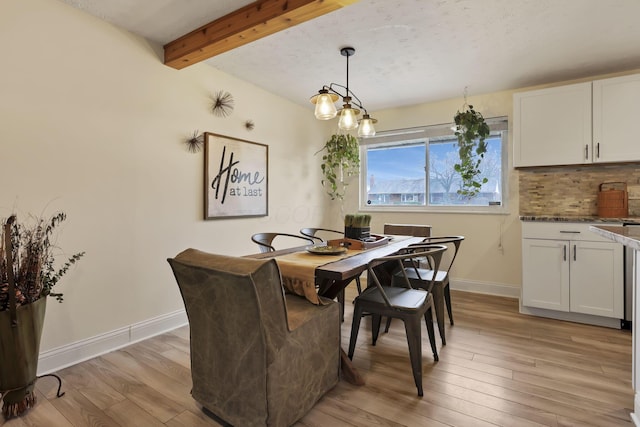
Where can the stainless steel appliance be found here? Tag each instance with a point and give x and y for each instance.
(628, 282)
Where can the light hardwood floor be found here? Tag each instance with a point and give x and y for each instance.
(498, 368)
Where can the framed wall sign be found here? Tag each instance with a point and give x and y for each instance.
(236, 177)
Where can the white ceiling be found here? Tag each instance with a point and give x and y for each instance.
(409, 51)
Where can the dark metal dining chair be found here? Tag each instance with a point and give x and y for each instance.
(316, 233)
(440, 278)
(312, 234)
(265, 240)
(417, 230)
(388, 296)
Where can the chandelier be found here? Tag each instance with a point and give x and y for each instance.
(326, 108)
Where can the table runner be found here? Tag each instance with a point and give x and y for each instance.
(298, 271)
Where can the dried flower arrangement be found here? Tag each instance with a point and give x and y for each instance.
(27, 276)
(33, 256)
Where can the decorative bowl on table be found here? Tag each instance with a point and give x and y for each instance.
(326, 250)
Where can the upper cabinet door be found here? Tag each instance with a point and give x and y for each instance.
(616, 110)
(553, 126)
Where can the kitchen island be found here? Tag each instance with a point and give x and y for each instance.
(629, 237)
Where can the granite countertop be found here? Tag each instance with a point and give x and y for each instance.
(594, 219)
(628, 236)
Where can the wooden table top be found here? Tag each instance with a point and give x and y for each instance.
(349, 267)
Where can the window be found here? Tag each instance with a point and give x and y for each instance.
(414, 169)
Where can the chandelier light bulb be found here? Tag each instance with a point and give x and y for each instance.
(348, 120)
(325, 108)
(366, 128)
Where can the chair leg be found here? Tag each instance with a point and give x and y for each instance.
(358, 285)
(376, 319)
(447, 300)
(428, 319)
(386, 328)
(438, 305)
(355, 326)
(414, 339)
(341, 301)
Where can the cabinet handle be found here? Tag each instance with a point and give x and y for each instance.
(570, 232)
(574, 252)
(586, 152)
(564, 252)
(598, 150)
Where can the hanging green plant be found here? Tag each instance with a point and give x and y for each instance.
(340, 161)
(471, 131)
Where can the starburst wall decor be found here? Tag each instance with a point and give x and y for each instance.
(195, 142)
(223, 103)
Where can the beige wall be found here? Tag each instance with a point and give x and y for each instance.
(92, 123)
(489, 259)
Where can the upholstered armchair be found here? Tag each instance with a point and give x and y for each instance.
(258, 357)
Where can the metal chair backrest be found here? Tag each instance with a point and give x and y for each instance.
(408, 230)
(411, 255)
(311, 233)
(265, 240)
(443, 240)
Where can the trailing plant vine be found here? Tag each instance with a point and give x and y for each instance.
(471, 131)
(340, 161)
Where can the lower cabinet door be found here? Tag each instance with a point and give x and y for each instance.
(545, 274)
(597, 285)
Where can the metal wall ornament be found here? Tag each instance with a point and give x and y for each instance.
(249, 125)
(195, 142)
(223, 103)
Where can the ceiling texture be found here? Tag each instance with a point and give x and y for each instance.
(408, 51)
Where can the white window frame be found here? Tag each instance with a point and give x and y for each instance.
(423, 133)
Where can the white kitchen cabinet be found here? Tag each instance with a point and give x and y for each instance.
(582, 123)
(552, 126)
(567, 268)
(616, 107)
(545, 274)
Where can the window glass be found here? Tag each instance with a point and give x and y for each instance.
(395, 174)
(403, 170)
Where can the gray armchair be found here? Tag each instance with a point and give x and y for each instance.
(258, 357)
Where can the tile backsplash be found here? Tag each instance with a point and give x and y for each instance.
(573, 190)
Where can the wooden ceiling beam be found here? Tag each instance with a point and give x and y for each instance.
(252, 22)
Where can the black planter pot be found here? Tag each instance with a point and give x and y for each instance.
(357, 233)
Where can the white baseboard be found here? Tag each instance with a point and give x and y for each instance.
(636, 407)
(509, 291)
(71, 354)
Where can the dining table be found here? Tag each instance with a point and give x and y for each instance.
(327, 275)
